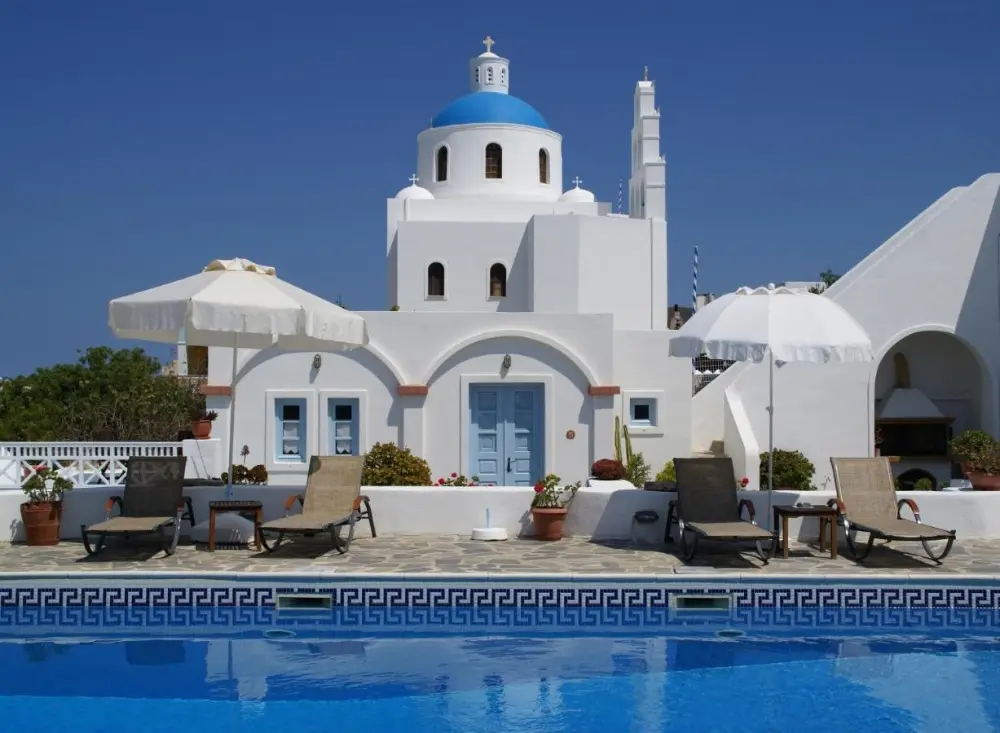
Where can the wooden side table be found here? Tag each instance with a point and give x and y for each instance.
(827, 519)
(243, 508)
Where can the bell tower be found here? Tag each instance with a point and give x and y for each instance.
(647, 196)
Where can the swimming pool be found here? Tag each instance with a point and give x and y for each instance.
(605, 660)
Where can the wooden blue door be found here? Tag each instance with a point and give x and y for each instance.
(505, 434)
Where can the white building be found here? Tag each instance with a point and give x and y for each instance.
(929, 297)
(528, 318)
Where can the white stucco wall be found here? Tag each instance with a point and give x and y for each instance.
(467, 162)
(447, 352)
(467, 250)
(938, 274)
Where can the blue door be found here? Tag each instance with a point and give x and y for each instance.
(506, 435)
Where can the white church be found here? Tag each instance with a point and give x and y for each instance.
(522, 317)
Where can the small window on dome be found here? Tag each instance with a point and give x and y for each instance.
(477, 75)
(494, 161)
(498, 281)
(543, 166)
(489, 74)
(435, 280)
(503, 76)
(441, 172)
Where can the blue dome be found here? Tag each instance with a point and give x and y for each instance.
(486, 107)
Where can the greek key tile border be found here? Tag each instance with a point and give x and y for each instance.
(562, 593)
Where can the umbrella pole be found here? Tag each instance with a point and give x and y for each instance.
(232, 420)
(770, 437)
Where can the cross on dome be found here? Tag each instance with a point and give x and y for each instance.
(488, 42)
(577, 181)
(414, 179)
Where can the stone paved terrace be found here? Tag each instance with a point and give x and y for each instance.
(459, 555)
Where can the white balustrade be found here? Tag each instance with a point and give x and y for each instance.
(85, 464)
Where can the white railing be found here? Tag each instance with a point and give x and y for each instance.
(85, 464)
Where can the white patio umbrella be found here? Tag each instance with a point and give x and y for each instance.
(778, 324)
(241, 305)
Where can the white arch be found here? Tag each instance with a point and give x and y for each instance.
(515, 333)
(991, 396)
(391, 365)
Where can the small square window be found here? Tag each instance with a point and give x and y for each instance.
(642, 412)
(342, 412)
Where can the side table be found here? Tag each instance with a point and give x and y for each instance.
(237, 506)
(827, 519)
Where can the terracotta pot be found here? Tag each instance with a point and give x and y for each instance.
(41, 522)
(548, 522)
(983, 481)
(201, 429)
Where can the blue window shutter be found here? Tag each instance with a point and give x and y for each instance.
(343, 421)
(290, 430)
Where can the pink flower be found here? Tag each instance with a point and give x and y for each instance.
(454, 475)
(441, 481)
(744, 481)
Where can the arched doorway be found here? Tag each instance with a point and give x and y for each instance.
(928, 387)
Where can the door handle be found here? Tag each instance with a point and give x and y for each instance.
(508, 465)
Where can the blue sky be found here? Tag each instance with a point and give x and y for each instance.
(140, 140)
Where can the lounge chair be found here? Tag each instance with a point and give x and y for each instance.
(707, 507)
(332, 500)
(866, 502)
(151, 503)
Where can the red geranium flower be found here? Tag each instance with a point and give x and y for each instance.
(744, 481)
(441, 481)
(539, 488)
(454, 475)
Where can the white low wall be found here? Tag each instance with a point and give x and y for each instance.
(604, 511)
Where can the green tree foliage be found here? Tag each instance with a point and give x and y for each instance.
(105, 395)
(829, 277)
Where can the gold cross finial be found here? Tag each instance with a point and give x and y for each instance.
(488, 42)
(645, 73)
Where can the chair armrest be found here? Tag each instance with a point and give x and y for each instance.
(748, 504)
(913, 508)
(290, 502)
(112, 501)
(838, 505)
(361, 499)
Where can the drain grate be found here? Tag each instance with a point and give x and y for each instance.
(702, 603)
(279, 634)
(304, 602)
(730, 634)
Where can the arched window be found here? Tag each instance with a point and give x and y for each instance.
(543, 166)
(494, 161)
(441, 174)
(498, 281)
(435, 280)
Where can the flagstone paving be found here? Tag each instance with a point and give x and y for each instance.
(459, 555)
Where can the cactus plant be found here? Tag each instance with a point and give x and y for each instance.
(622, 430)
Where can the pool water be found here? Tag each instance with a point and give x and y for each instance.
(463, 670)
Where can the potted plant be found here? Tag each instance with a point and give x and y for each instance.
(549, 507)
(41, 514)
(201, 423)
(978, 453)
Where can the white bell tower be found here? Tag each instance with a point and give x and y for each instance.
(647, 196)
(489, 72)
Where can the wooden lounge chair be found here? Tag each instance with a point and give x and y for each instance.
(707, 507)
(151, 503)
(332, 500)
(866, 502)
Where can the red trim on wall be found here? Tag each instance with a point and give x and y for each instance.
(216, 390)
(412, 390)
(608, 390)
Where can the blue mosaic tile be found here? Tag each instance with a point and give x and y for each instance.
(483, 594)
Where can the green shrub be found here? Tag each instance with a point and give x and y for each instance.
(637, 470)
(386, 464)
(977, 450)
(792, 470)
(668, 473)
(923, 484)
